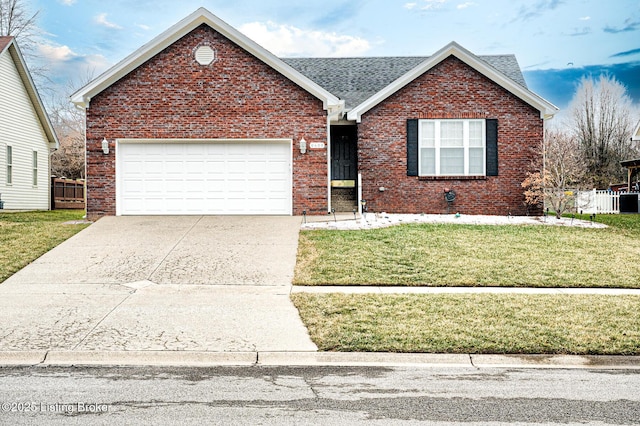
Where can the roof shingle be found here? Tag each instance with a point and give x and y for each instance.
(357, 79)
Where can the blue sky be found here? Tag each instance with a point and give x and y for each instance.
(555, 41)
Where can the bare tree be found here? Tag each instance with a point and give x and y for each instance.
(601, 121)
(69, 123)
(563, 172)
(68, 160)
(16, 20)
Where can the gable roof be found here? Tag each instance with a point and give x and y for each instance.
(9, 46)
(547, 109)
(201, 16)
(357, 79)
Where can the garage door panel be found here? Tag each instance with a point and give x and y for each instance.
(196, 167)
(153, 167)
(204, 178)
(134, 186)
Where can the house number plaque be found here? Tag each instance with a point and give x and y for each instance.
(317, 145)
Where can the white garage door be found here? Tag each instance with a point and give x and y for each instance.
(232, 177)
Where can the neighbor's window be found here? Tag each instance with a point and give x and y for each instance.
(9, 164)
(35, 168)
(451, 147)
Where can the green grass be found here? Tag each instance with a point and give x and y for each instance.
(25, 236)
(473, 323)
(474, 255)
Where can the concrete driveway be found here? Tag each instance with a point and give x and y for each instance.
(195, 283)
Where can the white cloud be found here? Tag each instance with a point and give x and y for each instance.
(585, 18)
(143, 27)
(433, 4)
(56, 53)
(101, 19)
(287, 40)
(66, 65)
(67, 2)
(465, 5)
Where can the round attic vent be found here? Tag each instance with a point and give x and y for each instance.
(205, 55)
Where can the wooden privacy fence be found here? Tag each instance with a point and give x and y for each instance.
(600, 202)
(67, 193)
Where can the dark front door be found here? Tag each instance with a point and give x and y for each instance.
(344, 168)
(344, 160)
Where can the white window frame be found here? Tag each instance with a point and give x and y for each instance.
(9, 168)
(34, 168)
(466, 146)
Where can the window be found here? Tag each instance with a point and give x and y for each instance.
(9, 164)
(451, 147)
(35, 168)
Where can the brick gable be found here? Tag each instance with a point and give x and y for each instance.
(238, 96)
(451, 89)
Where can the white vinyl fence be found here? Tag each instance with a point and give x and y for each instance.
(599, 202)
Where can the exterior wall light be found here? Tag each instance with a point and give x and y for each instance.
(105, 146)
(303, 146)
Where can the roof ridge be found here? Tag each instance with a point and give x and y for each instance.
(384, 57)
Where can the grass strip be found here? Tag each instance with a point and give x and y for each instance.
(25, 236)
(473, 323)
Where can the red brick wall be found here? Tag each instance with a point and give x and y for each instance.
(449, 90)
(238, 96)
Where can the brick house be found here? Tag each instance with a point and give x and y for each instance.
(202, 120)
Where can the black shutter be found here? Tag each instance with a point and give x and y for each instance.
(492, 147)
(412, 147)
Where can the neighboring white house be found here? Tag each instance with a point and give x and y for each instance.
(26, 135)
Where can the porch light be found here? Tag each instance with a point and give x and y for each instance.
(303, 146)
(105, 146)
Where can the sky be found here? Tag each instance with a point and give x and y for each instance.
(556, 42)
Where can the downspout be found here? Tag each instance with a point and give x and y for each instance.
(328, 161)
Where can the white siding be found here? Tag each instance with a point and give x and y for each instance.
(20, 128)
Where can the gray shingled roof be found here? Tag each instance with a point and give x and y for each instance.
(356, 79)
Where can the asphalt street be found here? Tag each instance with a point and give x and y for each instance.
(318, 395)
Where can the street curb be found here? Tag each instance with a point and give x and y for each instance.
(557, 361)
(350, 359)
(328, 359)
(129, 358)
(11, 358)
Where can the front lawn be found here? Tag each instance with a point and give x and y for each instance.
(25, 236)
(474, 255)
(473, 323)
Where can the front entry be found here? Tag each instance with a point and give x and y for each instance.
(344, 168)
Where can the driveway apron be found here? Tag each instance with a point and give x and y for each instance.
(183, 283)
